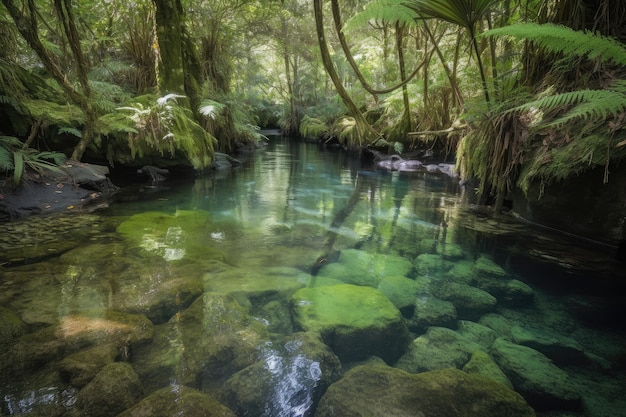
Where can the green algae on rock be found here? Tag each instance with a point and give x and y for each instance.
(186, 234)
(178, 400)
(356, 322)
(374, 391)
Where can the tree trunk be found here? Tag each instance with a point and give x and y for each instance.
(366, 132)
(26, 22)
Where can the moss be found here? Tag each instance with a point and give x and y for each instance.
(182, 235)
(552, 164)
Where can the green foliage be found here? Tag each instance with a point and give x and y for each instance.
(313, 128)
(556, 163)
(564, 40)
(161, 124)
(14, 157)
(459, 12)
(383, 10)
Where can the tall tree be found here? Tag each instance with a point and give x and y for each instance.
(26, 18)
(365, 132)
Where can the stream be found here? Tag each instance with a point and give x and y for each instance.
(275, 288)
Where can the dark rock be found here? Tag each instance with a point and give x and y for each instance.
(288, 380)
(375, 391)
(544, 385)
(81, 186)
(178, 400)
(114, 389)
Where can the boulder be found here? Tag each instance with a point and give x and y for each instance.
(186, 234)
(178, 400)
(211, 339)
(482, 364)
(288, 380)
(115, 388)
(477, 333)
(11, 328)
(402, 291)
(562, 350)
(375, 391)
(81, 367)
(364, 268)
(252, 285)
(356, 322)
(431, 311)
(432, 265)
(544, 385)
(439, 348)
(470, 302)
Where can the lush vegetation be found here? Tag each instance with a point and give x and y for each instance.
(520, 92)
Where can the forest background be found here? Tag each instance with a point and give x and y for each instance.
(520, 94)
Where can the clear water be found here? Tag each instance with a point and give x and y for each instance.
(291, 210)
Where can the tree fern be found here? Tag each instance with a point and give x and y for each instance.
(586, 103)
(561, 39)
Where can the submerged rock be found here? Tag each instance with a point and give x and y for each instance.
(560, 349)
(356, 322)
(287, 381)
(470, 302)
(186, 234)
(81, 367)
(375, 391)
(115, 388)
(482, 364)
(11, 328)
(178, 400)
(439, 348)
(431, 311)
(363, 268)
(543, 385)
(211, 339)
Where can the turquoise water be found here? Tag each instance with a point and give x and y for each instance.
(252, 291)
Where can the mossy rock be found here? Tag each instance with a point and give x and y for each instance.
(439, 348)
(291, 375)
(81, 367)
(484, 266)
(482, 364)
(462, 272)
(186, 234)
(356, 322)
(432, 265)
(470, 302)
(476, 332)
(178, 400)
(211, 339)
(359, 267)
(254, 285)
(544, 385)
(155, 291)
(115, 388)
(402, 291)
(11, 328)
(431, 311)
(447, 392)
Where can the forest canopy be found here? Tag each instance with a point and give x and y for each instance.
(514, 92)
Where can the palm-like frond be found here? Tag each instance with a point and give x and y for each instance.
(464, 13)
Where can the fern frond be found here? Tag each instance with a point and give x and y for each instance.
(383, 10)
(70, 131)
(561, 39)
(594, 104)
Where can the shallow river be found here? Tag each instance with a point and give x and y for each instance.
(302, 283)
